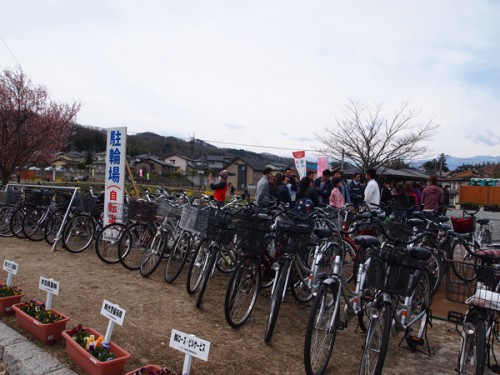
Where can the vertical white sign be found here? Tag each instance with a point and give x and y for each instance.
(300, 162)
(116, 146)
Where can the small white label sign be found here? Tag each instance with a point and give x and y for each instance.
(190, 344)
(10, 266)
(113, 312)
(49, 285)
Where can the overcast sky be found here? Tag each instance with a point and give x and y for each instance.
(267, 73)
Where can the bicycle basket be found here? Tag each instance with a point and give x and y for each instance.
(251, 233)
(293, 236)
(219, 227)
(391, 272)
(194, 219)
(398, 231)
(141, 210)
(39, 197)
(473, 284)
(10, 196)
(463, 224)
(64, 197)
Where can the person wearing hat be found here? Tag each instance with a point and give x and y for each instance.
(220, 188)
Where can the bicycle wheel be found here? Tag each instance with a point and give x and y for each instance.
(34, 224)
(106, 244)
(6, 213)
(276, 299)
(226, 261)
(152, 256)
(486, 237)
(132, 245)
(321, 329)
(349, 267)
(207, 272)
(78, 233)
(472, 356)
(197, 266)
(53, 226)
(16, 223)
(299, 282)
(177, 258)
(242, 291)
(459, 254)
(436, 270)
(377, 338)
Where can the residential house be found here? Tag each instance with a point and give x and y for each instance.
(144, 164)
(245, 172)
(183, 163)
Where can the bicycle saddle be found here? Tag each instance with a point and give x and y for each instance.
(366, 241)
(483, 221)
(419, 253)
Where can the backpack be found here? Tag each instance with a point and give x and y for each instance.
(304, 206)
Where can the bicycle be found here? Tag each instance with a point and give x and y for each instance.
(324, 318)
(293, 232)
(193, 223)
(395, 275)
(220, 232)
(479, 333)
(253, 230)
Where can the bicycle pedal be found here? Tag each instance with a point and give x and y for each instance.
(455, 317)
(341, 325)
(414, 341)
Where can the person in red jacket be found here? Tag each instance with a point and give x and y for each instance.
(220, 188)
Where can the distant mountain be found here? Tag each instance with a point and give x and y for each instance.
(93, 139)
(453, 162)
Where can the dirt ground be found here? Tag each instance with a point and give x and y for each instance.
(154, 308)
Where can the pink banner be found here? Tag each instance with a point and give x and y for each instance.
(322, 164)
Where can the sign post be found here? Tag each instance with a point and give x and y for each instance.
(191, 345)
(114, 189)
(115, 314)
(51, 287)
(11, 267)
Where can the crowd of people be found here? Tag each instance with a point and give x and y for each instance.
(362, 190)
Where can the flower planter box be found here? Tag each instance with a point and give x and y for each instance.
(47, 333)
(147, 370)
(7, 302)
(89, 363)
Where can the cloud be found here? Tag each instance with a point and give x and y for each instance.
(233, 126)
(487, 137)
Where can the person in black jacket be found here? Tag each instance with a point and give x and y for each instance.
(324, 186)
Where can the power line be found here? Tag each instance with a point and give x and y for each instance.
(12, 54)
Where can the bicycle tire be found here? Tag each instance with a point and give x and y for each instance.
(299, 284)
(242, 292)
(377, 339)
(472, 356)
(153, 254)
(177, 258)
(349, 267)
(53, 226)
(78, 233)
(207, 273)
(5, 219)
(132, 244)
(106, 244)
(365, 301)
(436, 270)
(34, 224)
(321, 329)
(276, 299)
(199, 262)
(460, 253)
(16, 222)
